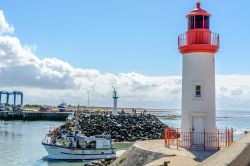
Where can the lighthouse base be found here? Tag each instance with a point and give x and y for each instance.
(198, 122)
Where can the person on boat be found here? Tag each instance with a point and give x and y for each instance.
(76, 132)
(50, 130)
(53, 140)
(74, 145)
(78, 144)
(64, 144)
(71, 144)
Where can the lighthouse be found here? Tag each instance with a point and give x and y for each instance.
(198, 47)
(115, 98)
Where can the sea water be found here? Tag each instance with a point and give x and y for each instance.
(20, 142)
(238, 120)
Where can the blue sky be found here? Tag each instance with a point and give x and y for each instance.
(124, 36)
(58, 50)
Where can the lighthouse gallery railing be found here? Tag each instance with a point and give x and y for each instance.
(193, 37)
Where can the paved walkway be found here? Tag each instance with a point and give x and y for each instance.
(177, 157)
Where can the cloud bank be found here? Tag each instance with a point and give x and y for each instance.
(50, 80)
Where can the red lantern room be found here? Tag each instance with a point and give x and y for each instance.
(198, 38)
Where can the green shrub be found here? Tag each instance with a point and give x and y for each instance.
(98, 111)
(121, 160)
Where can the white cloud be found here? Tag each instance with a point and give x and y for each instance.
(233, 91)
(49, 80)
(4, 26)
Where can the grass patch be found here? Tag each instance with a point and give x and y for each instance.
(121, 146)
(120, 161)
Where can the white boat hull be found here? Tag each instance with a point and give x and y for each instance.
(63, 153)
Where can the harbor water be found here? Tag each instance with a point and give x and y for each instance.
(20, 142)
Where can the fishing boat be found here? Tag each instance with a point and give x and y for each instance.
(62, 107)
(78, 147)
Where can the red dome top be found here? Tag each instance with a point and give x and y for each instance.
(198, 38)
(198, 11)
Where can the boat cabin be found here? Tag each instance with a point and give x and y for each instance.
(79, 142)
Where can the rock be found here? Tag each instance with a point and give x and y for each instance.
(121, 127)
(104, 162)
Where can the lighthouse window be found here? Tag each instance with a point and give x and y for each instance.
(191, 22)
(198, 21)
(198, 91)
(206, 22)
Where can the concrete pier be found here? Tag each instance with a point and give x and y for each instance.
(33, 116)
(154, 153)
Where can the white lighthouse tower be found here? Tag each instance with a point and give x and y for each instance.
(198, 47)
(115, 98)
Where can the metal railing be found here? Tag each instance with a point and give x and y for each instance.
(206, 140)
(198, 37)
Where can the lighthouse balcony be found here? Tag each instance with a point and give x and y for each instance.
(198, 40)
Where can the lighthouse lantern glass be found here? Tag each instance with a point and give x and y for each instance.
(191, 22)
(198, 22)
(206, 22)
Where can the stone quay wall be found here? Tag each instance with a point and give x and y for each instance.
(33, 116)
